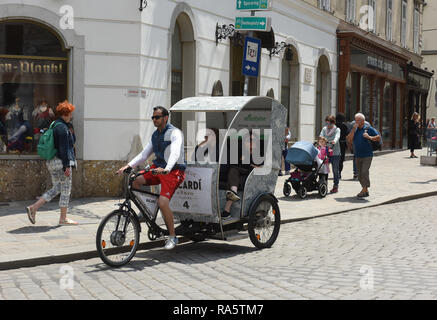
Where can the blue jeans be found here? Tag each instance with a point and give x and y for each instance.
(286, 164)
(335, 161)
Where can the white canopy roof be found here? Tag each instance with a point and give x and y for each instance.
(221, 104)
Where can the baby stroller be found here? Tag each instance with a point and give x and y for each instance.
(306, 177)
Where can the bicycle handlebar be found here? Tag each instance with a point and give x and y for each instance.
(128, 170)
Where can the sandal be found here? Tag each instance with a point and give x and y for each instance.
(31, 215)
(67, 222)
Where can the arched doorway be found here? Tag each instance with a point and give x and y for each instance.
(33, 80)
(183, 70)
(323, 93)
(290, 90)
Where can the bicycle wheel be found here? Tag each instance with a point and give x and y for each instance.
(264, 222)
(117, 238)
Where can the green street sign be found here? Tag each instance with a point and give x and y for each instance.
(252, 5)
(253, 23)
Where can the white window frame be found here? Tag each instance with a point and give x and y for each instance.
(416, 30)
(351, 6)
(389, 25)
(372, 4)
(325, 5)
(404, 8)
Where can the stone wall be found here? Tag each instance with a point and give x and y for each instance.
(28, 179)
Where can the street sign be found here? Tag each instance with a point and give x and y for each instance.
(251, 57)
(253, 23)
(253, 5)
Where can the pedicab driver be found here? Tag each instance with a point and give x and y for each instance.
(167, 143)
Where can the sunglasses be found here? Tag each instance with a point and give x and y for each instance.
(156, 117)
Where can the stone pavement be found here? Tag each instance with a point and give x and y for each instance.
(386, 252)
(394, 177)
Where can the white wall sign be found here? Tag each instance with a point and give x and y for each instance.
(194, 193)
(136, 92)
(308, 75)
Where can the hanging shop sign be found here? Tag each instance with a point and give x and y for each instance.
(376, 62)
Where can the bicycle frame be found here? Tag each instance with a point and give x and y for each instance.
(155, 231)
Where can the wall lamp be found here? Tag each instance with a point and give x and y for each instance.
(282, 46)
(228, 31)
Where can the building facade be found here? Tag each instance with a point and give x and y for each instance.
(429, 53)
(380, 45)
(115, 62)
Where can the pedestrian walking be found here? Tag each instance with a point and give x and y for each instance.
(60, 167)
(340, 123)
(332, 133)
(414, 134)
(284, 152)
(360, 136)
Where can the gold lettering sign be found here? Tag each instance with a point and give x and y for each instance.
(33, 70)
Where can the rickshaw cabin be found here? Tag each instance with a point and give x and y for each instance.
(233, 117)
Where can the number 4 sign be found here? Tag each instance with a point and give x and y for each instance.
(251, 56)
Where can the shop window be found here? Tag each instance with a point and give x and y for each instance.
(376, 108)
(365, 96)
(387, 115)
(33, 80)
(398, 120)
(348, 98)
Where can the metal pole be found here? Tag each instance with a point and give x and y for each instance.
(246, 78)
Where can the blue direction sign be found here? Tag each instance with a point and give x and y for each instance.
(251, 57)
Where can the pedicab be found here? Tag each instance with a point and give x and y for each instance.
(200, 199)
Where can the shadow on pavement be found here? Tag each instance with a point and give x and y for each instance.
(189, 253)
(424, 182)
(293, 198)
(31, 229)
(352, 200)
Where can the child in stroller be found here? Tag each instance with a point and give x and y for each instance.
(307, 176)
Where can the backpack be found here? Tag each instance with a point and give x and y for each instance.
(46, 145)
(376, 145)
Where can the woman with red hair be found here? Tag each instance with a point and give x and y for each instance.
(60, 166)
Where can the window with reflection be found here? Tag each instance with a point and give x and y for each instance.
(33, 80)
(397, 121)
(376, 110)
(365, 96)
(387, 115)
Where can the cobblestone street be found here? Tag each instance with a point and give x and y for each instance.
(386, 252)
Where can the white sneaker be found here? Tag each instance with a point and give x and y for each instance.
(171, 242)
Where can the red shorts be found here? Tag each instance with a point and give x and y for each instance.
(169, 182)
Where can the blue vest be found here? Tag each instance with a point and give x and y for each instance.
(161, 142)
